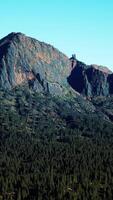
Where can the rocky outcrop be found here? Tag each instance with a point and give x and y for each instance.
(24, 60)
(91, 80)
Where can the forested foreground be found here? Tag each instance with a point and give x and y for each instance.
(32, 167)
(44, 160)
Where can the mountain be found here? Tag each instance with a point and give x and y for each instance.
(36, 66)
(39, 65)
(56, 124)
(24, 60)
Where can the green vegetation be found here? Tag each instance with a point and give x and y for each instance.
(48, 151)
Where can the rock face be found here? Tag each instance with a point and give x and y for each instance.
(110, 81)
(91, 80)
(24, 60)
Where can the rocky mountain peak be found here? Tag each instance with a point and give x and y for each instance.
(40, 66)
(10, 38)
(24, 60)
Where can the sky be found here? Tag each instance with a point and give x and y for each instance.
(81, 27)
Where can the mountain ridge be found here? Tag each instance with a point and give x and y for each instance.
(25, 60)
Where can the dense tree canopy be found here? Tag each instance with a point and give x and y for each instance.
(48, 156)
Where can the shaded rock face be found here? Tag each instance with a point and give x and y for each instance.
(110, 81)
(91, 80)
(26, 60)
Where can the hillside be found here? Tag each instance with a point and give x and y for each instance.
(55, 148)
(56, 124)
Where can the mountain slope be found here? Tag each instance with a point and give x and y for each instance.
(36, 66)
(55, 142)
(26, 60)
(52, 149)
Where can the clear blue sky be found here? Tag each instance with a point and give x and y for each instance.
(84, 27)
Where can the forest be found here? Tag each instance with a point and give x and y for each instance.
(46, 155)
